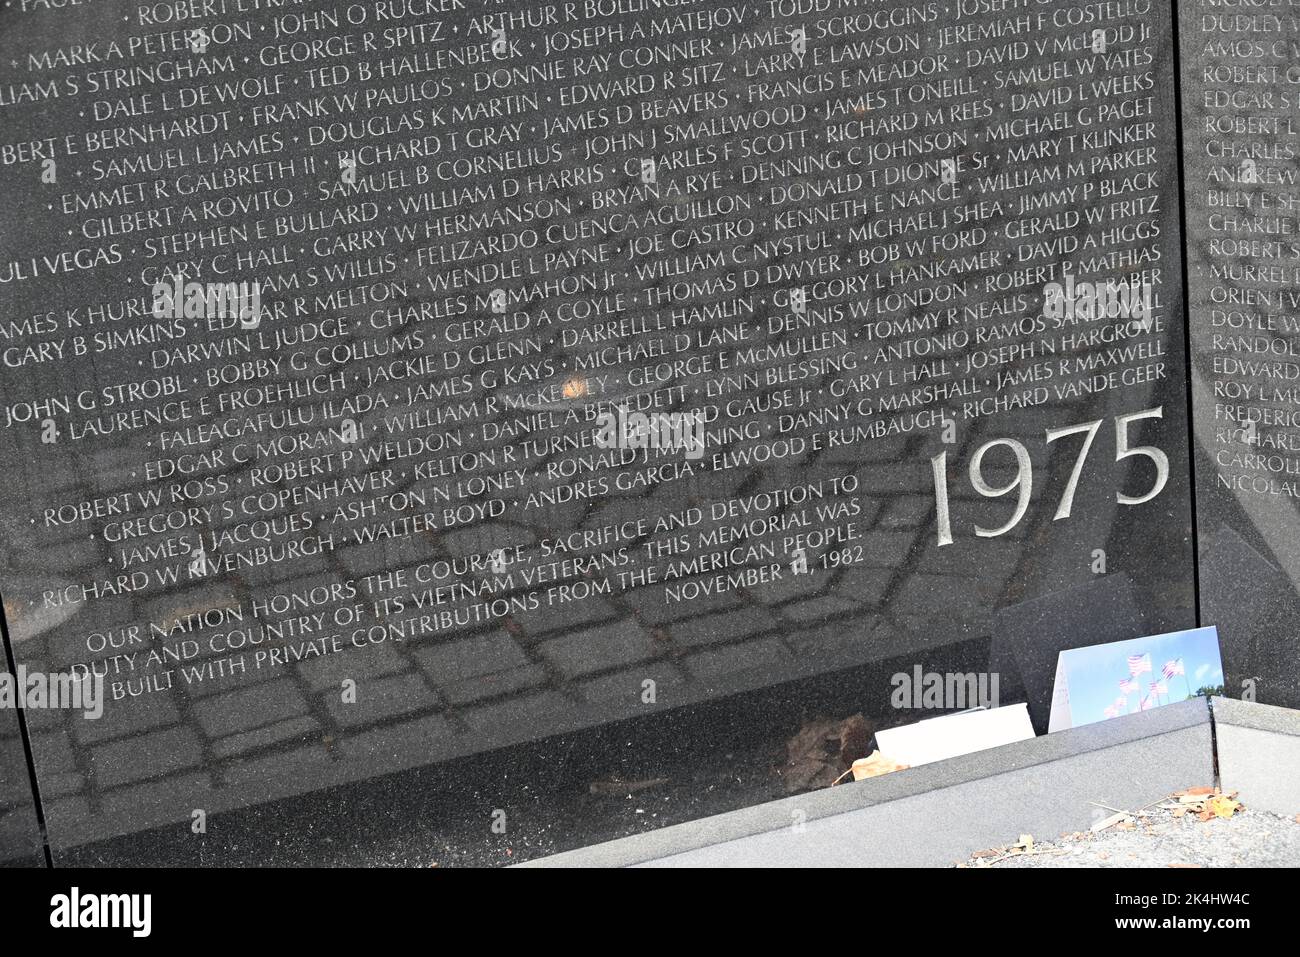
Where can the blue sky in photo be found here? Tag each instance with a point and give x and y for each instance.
(1094, 673)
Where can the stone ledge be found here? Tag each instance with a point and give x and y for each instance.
(982, 800)
(1258, 747)
(1252, 714)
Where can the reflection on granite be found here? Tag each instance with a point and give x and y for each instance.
(563, 685)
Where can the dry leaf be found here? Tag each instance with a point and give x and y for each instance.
(855, 740)
(1222, 805)
(874, 766)
(809, 760)
(821, 749)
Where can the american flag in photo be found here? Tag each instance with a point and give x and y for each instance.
(1137, 664)
(1174, 667)
(1159, 687)
(1111, 712)
(1128, 686)
(1121, 703)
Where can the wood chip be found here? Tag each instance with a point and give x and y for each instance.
(1121, 817)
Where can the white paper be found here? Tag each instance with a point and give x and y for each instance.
(955, 734)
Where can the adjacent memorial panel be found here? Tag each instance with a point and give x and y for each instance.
(1241, 73)
(386, 382)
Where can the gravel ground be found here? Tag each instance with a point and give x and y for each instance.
(1156, 838)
